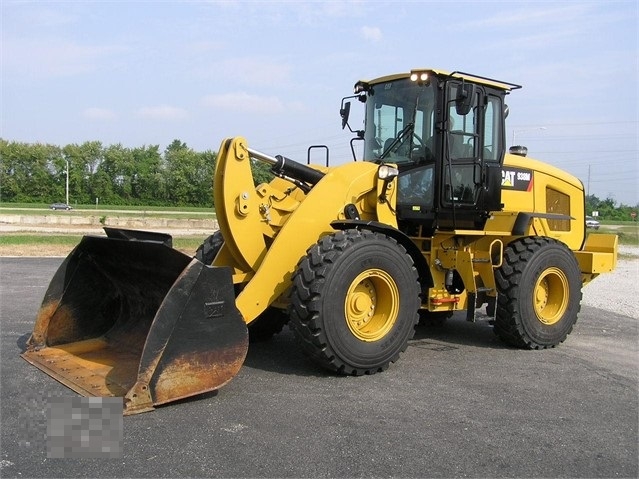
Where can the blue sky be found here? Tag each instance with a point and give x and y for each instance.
(146, 73)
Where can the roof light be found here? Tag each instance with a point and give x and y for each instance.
(422, 77)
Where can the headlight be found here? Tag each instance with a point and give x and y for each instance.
(387, 172)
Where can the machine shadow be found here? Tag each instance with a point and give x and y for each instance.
(22, 342)
(457, 331)
(283, 355)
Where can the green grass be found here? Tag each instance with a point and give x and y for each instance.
(4, 205)
(628, 233)
(187, 244)
(23, 205)
(116, 210)
(39, 239)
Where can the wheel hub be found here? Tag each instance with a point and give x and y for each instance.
(550, 296)
(371, 305)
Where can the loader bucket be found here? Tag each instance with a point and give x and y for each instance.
(134, 318)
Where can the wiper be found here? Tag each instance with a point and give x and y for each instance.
(398, 139)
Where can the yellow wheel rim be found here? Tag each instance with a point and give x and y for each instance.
(371, 305)
(550, 296)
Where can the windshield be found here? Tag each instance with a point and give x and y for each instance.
(399, 123)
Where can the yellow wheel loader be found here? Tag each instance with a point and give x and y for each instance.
(437, 218)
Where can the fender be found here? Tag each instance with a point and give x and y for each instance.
(419, 259)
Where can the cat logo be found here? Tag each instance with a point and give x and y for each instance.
(517, 179)
(507, 178)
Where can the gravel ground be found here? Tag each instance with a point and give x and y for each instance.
(619, 290)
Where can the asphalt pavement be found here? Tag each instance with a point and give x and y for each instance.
(458, 403)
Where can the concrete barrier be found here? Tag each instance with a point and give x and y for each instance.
(93, 221)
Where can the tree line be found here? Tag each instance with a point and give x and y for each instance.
(113, 174)
(608, 209)
(144, 176)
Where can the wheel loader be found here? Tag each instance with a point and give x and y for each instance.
(436, 218)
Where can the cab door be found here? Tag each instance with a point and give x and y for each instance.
(472, 152)
(462, 159)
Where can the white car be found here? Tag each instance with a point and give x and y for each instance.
(592, 223)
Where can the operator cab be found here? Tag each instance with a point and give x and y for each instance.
(445, 133)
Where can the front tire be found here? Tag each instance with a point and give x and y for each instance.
(208, 250)
(355, 301)
(539, 286)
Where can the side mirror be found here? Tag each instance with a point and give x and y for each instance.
(464, 100)
(345, 112)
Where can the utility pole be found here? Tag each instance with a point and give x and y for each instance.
(67, 182)
(588, 185)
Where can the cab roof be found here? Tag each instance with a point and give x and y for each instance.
(502, 85)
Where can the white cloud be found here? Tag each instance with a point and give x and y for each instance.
(302, 12)
(94, 113)
(39, 16)
(373, 34)
(525, 17)
(205, 46)
(48, 17)
(52, 57)
(252, 70)
(241, 101)
(162, 112)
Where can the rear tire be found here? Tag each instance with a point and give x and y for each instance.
(355, 301)
(539, 285)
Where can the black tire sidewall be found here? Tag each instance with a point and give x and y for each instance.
(208, 250)
(550, 255)
(375, 253)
